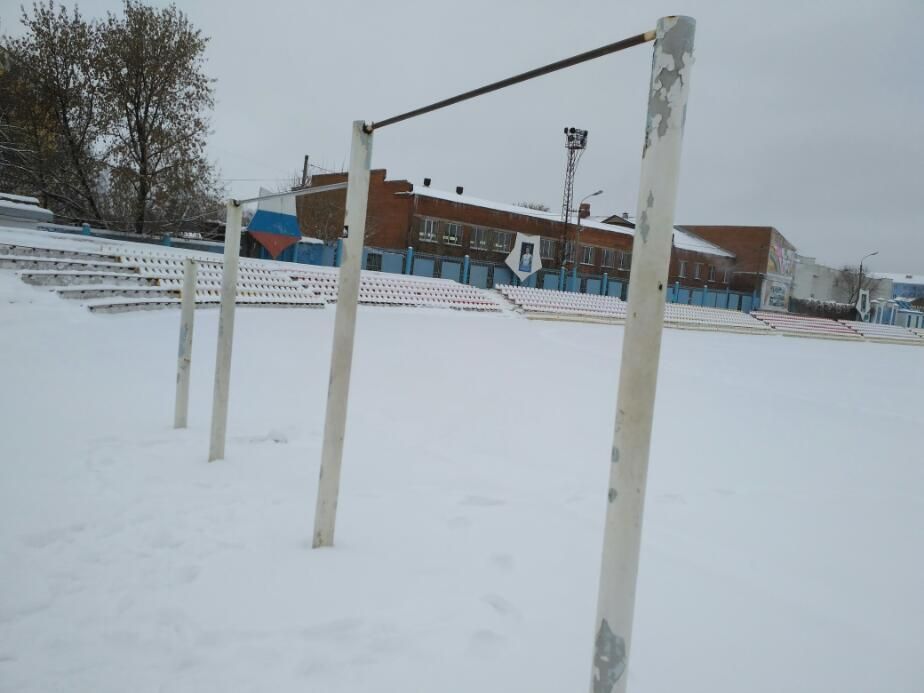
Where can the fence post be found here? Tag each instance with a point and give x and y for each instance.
(466, 269)
(561, 279)
(409, 260)
(669, 88)
(344, 331)
(184, 356)
(225, 331)
(338, 253)
(705, 294)
(605, 288)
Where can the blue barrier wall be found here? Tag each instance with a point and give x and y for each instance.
(478, 276)
(502, 275)
(451, 270)
(423, 266)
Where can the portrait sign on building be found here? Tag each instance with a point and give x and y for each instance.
(524, 259)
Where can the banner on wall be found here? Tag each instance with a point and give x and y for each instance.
(275, 226)
(524, 260)
(774, 293)
(863, 305)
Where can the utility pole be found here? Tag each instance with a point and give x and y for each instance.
(577, 238)
(305, 172)
(856, 298)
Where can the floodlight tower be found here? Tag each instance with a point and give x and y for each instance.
(575, 143)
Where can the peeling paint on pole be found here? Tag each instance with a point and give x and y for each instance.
(670, 81)
(184, 352)
(609, 659)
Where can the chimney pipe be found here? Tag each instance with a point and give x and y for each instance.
(426, 182)
(458, 190)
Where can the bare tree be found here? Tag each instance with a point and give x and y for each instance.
(106, 121)
(156, 97)
(50, 120)
(850, 280)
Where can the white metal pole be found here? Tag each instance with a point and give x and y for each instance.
(344, 330)
(184, 357)
(670, 83)
(225, 331)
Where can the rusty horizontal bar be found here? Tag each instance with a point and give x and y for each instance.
(522, 77)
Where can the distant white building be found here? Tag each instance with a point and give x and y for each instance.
(823, 283)
(908, 286)
(19, 211)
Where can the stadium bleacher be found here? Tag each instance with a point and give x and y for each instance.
(806, 326)
(118, 276)
(378, 288)
(566, 303)
(884, 333)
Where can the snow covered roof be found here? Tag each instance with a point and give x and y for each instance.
(510, 209)
(682, 238)
(899, 278)
(19, 198)
(22, 213)
(685, 240)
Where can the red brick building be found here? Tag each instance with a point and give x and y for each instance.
(450, 226)
(765, 261)
(402, 215)
(695, 261)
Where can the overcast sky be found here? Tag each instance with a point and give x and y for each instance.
(808, 116)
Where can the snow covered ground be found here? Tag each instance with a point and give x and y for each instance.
(782, 544)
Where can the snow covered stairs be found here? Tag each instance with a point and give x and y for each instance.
(806, 326)
(121, 278)
(875, 332)
(571, 305)
(384, 289)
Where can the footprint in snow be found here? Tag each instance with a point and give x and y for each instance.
(458, 522)
(484, 643)
(672, 498)
(501, 606)
(503, 561)
(481, 501)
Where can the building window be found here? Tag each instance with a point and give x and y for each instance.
(428, 230)
(697, 270)
(503, 241)
(587, 255)
(712, 273)
(625, 261)
(725, 277)
(452, 235)
(374, 262)
(479, 239)
(609, 257)
(683, 269)
(547, 248)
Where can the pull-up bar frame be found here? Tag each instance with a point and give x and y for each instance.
(669, 88)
